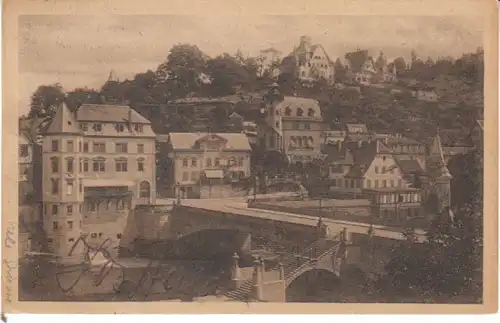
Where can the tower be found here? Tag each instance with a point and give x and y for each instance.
(62, 187)
(439, 175)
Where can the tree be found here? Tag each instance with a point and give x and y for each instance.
(45, 99)
(79, 96)
(182, 67)
(340, 72)
(400, 64)
(228, 75)
(288, 79)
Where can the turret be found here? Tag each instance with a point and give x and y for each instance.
(62, 187)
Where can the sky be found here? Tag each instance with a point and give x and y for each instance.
(79, 51)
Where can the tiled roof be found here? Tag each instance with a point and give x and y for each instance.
(109, 113)
(235, 141)
(295, 103)
(409, 166)
(62, 122)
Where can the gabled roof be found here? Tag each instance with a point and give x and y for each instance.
(363, 156)
(436, 165)
(62, 122)
(481, 124)
(186, 141)
(109, 113)
(409, 166)
(295, 103)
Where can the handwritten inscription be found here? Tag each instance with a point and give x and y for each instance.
(10, 235)
(9, 277)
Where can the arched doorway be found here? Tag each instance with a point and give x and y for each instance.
(145, 191)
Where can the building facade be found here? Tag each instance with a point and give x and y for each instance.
(292, 126)
(98, 163)
(200, 160)
(270, 60)
(313, 61)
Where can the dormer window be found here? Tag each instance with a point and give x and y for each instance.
(84, 126)
(120, 127)
(300, 112)
(288, 111)
(310, 113)
(138, 127)
(97, 127)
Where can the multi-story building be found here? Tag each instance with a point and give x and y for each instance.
(25, 164)
(213, 161)
(97, 165)
(363, 69)
(292, 126)
(269, 60)
(312, 61)
(398, 181)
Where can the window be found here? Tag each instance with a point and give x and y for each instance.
(55, 145)
(84, 126)
(310, 113)
(120, 205)
(138, 127)
(231, 161)
(70, 225)
(55, 209)
(194, 162)
(121, 147)
(93, 235)
(120, 127)
(185, 176)
(85, 165)
(71, 239)
(185, 162)
(97, 127)
(121, 165)
(376, 183)
(300, 112)
(240, 161)
(368, 183)
(140, 148)
(307, 126)
(93, 206)
(80, 186)
(98, 165)
(54, 163)
(69, 146)
(55, 226)
(195, 176)
(288, 111)
(217, 161)
(384, 183)
(277, 124)
(55, 186)
(383, 170)
(140, 164)
(85, 147)
(376, 169)
(69, 186)
(23, 150)
(99, 147)
(392, 183)
(69, 164)
(383, 158)
(295, 126)
(208, 161)
(400, 182)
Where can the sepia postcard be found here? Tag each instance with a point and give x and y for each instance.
(250, 156)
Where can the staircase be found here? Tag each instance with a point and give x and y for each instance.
(293, 263)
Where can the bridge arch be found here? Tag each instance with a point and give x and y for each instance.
(313, 282)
